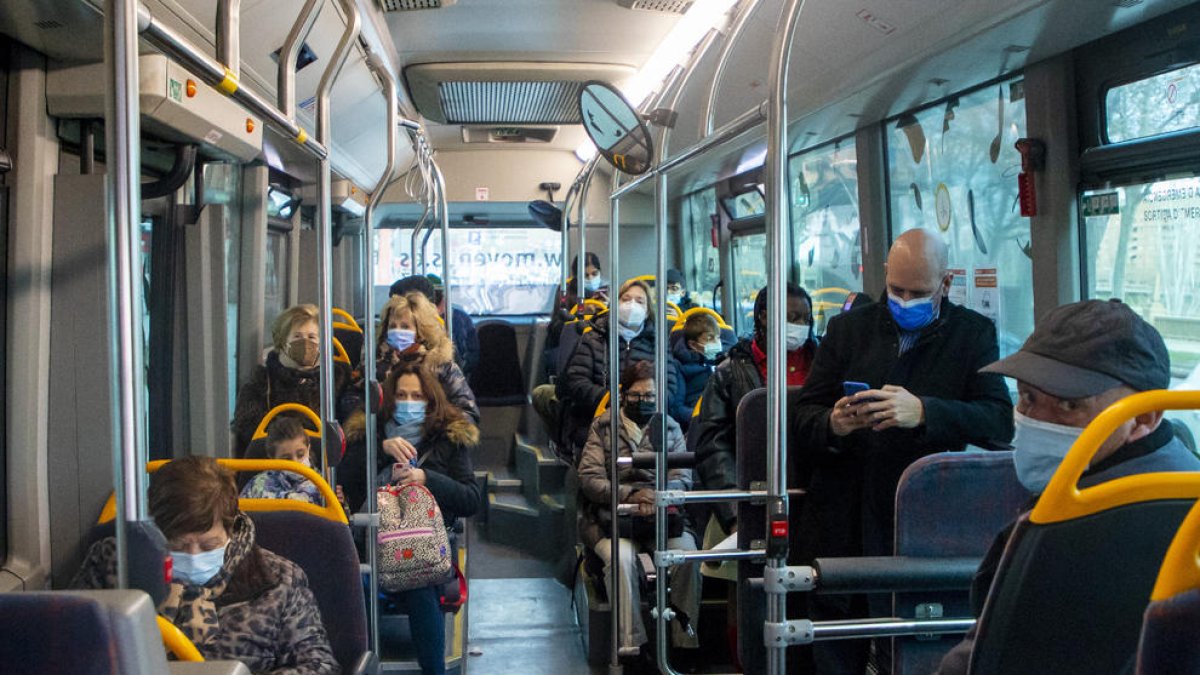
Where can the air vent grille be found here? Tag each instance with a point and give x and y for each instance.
(405, 5)
(1128, 3)
(554, 102)
(668, 6)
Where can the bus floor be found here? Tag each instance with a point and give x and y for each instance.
(520, 616)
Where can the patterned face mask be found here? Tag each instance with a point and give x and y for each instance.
(303, 352)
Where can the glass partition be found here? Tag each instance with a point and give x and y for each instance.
(827, 254)
(749, 275)
(952, 168)
(703, 264)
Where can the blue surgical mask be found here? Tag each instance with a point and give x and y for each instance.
(408, 412)
(592, 284)
(1039, 448)
(912, 314)
(675, 298)
(401, 339)
(197, 569)
(712, 350)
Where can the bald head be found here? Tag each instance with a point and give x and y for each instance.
(916, 265)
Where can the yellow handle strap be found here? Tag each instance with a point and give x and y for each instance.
(261, 431)
(343, 314)
(683, 317)
(1181, 565)
(176, 642)
(332, 510)
(1063, 500)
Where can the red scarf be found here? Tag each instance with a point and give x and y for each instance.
(798, 363)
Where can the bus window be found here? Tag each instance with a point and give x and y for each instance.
(703, 267)
(826, 250)
(1142, 245)
(749, 275)
(495, 271)
(1161, 104)
(952, 168)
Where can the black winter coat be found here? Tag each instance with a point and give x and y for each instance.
(449, 473)
(274, 384)
(582, 385)
(850, 506)
(716, 466)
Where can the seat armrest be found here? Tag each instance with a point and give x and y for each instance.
(207, 668)
(894, 574)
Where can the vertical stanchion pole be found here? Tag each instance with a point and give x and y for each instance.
(778, 248)
(565, 225)
(369, 332)
(614, 428)
(439, 179)
(325, 234)
(123, 215)
(581, 263)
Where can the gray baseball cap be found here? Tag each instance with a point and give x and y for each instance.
(1086, 348)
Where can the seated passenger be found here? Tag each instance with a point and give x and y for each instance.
(637, 406)
(409, 329)
(677, 292)
(233, 599)
(290, 374)
(285, 440)
(594, 286)
(585, 381)
(1080, 359)
(696, 348)
(742, 371)
(424, 428)
(466, 340)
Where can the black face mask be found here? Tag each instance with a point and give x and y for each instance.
(640, 412)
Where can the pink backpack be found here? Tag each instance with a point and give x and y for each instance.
(414, 550)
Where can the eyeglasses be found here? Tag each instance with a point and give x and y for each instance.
(641, 398)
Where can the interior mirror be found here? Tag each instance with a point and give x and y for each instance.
(616, 128)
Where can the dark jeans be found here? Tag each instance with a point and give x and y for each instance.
(427, 626)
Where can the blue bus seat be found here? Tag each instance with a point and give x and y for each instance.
(949, 505)
(325, 551)
(498, 379)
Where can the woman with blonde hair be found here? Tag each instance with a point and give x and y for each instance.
(289, 375)
(410, 329)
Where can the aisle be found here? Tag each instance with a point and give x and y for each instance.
(523, 625)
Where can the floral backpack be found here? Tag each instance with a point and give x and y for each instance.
(414, 550)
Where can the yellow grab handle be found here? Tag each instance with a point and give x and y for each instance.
(261, 431)
(1181, 565)
(341, 313)
(176, 642)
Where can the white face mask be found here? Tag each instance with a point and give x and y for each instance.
(632, 315)
(1039, 448)
(712, 350)
(797, 335)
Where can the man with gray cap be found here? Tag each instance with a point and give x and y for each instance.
(1081, 359)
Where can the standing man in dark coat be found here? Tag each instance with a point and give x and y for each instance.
(921, 357)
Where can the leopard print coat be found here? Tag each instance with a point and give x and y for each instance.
(266, 616)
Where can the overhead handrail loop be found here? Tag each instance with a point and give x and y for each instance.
(285, 77)
(122, 117)
(229, 49)
(325, 223)
(777, 269)
(368, 281)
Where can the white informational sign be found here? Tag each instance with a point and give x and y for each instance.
(986, 296)
(958, 287)
(482, 194)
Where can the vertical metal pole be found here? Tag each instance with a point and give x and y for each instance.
(566, 237)
(285, 77)
(581, 263)
(325, 230)
(778, 248)
(229, 51)
(739, 24)
(614, 428)
(389, 92)
(439, 179)
(123, 211)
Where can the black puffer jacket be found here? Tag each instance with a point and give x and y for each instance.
(850, 505)
(716, 466)
(584, 382)
(274, 384)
